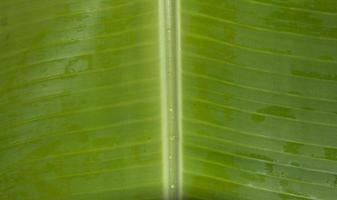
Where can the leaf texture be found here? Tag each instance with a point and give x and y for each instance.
(86, 96)
(80, 100)
(259, 99)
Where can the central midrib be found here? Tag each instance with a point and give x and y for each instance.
(169, 41)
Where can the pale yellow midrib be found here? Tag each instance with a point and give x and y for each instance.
(169, 45)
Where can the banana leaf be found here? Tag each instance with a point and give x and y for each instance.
(168, 99)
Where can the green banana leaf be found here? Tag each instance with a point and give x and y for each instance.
(168, 99)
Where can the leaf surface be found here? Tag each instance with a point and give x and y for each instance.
(259, 99)
(147, 99)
